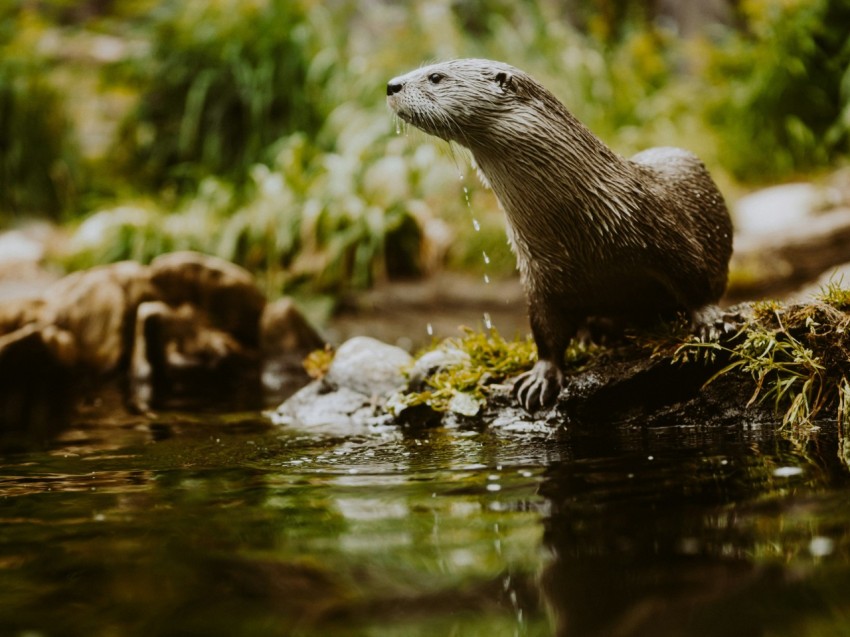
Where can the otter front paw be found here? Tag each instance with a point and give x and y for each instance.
(539, 387)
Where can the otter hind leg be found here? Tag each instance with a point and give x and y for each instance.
(710, 322)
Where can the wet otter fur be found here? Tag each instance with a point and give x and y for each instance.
(595, 235)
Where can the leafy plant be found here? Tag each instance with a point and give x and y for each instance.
(781, 88)
(38, 159)
(228, 80)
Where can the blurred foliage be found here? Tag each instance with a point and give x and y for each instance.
(226, 79)
(257, 130)
(37, 155)
(39, 161)
(781, 96)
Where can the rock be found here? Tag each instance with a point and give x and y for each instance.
(370, 367)
(364, 374)
(97, 307)
(340, 412)
(286, 338)
(179, 359)
(224, 291)
(787, 236)
(778, 208)
(15, 313)
(772, 264)
(35, 395)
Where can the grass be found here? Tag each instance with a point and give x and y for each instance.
(797, 357)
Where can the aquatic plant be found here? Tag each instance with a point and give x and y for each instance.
(797, 357)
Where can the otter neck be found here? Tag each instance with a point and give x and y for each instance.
(578, 184)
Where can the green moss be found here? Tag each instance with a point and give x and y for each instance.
(485, 359)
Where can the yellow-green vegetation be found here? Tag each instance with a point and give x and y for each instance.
(798, 356)
(257, 130)
(318, 362)
(479, 360)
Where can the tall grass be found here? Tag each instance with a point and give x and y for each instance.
(227, 79)
(38, 157)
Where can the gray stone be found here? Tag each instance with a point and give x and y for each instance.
(370, 367)
(341, 412)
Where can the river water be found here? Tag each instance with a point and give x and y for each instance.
(227, 525)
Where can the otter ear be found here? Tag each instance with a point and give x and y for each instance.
(506, 81)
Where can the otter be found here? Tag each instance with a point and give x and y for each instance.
(596, 235)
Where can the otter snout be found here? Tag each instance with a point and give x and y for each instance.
(394, 86)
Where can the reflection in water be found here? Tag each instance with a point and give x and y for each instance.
(232, 527)
(694, 538)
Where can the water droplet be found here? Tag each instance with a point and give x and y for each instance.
(486, 258)
(488, 322)
(494, 487)
(787, 472)
(821, 546)
(476, 225)
(430, 329)
(486, 278)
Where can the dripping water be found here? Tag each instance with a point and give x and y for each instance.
(488, 322)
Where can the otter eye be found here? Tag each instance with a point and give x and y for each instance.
(435, 78)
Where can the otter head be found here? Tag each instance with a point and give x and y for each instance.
(462, 100)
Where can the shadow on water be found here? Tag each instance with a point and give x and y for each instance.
(224, 525)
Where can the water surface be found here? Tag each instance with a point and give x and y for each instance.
(226, 525)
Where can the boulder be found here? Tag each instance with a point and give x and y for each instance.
(35, 396)
(363, 376)
(180, 359)
(286, 338)
(226, 292)
(97, 308)
(370, 367)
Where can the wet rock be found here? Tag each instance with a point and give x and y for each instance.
(370, 367)
(286, 338)
(35, 396)
(179, 358)
(97, 307)
(630, 386)
(433, 361)
(339, 412)
(226, 292)
(189, 330)
(364, 374)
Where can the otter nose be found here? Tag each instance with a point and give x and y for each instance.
(394, 86)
